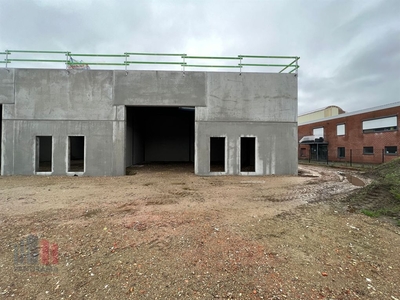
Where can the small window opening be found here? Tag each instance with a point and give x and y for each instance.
(340, 129)
(341, 152)
(247, 154)
(217, 154)
(44, 153)
(390, 150)
(76, 154)
(318, 132)
(368, 150)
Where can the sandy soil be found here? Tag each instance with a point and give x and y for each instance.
(164, 233)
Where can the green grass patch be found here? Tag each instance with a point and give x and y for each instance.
(382, 196)
(371, 213)
(385, 211)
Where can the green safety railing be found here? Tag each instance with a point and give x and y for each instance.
(284, 63)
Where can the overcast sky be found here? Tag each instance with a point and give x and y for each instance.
(349, 50)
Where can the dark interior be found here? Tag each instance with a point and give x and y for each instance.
(44, 148)
(159, 134)
(247, 154)
(217, 154)
(76, 154)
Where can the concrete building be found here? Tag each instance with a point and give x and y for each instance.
(365, 136)
(98, 122)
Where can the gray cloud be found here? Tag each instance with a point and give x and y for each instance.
(349, 49)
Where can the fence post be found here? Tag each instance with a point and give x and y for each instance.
(327, 156)
(351, 157)
(383, 155)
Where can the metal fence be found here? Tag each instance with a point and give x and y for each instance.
(349, 157)
(71, 60)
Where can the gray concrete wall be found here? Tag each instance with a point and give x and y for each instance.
(58, 103)
(61, 95)
(6, 86)
(63, 103)
(160, 88)
(275, 147)
(256, 97)
(101, 149)
(258, 105)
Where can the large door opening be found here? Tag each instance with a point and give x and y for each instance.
(217, 154)
(76, 159)
(44, 153)
(247, 154)
(159, 135)
(319, 152)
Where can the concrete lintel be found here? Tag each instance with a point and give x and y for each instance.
(159, 88)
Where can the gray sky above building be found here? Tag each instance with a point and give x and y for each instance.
(350, 50)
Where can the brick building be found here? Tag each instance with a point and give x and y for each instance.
(364, 136)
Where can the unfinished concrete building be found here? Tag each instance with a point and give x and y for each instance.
(98, 122)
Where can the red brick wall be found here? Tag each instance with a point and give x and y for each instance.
(354, 138)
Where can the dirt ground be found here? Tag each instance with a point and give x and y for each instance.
(164, 233)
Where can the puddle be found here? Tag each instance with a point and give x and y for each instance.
(354, 180)
(304, 173)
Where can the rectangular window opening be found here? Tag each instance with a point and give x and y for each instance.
(380, 124)
(318, 132)
(340, 129)
(44, 153)
(341, 152)
(368, 150)
(76, 153)
(390, 150)
(217, 154)
(247, 154)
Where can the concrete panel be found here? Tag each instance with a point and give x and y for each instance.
(120, 112)
(117, 149)
(276, 148)
(250, 97)
(8, 111)
(7, 148)
(6, 85)
(63, 95)
(104, 146)
(160, 88)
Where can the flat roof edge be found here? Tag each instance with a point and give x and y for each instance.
(357, 112)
